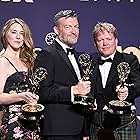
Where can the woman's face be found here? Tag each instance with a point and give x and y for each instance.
(15, 36)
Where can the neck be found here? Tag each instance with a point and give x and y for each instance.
(11, 53)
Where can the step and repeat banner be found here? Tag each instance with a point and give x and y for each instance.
(124, 14)
(38, 14)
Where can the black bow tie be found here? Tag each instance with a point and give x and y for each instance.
(70, 51)
(101, 62)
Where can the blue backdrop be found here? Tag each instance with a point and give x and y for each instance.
(39, 14)
(124, 14)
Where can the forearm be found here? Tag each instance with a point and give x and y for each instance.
(6, 98)
(134, 92)
(134, 80)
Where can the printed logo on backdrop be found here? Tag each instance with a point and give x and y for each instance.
(50, 37)
(131, 1)
(27, 1)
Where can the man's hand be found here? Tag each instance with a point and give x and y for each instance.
(82, 88)
(122, 92)
(86, 138)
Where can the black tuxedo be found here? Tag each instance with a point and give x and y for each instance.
(104, 95)
(61, 116)
(107, 121)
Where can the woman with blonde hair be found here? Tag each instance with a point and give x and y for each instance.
(16, 66)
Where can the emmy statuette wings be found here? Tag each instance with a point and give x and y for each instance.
(123, 71)
(85, 62)
(39, 75)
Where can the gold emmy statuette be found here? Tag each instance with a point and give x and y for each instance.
(33, 111)
(123, 70)
(85, 62)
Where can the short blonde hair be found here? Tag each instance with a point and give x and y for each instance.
(102, 26)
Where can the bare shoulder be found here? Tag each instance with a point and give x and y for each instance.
(4, 71)
(4, 64)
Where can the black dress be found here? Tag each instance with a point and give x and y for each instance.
(11, 128)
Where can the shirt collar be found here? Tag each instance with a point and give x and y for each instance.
(111, 56)
(64, 46)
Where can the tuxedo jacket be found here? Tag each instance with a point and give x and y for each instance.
(61, 116)
(104, 95)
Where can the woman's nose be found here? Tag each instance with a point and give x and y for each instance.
(18, 35)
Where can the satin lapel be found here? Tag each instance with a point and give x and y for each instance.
(64, 56)
(97, 81)
(95, 73)
(97, 76)
(113, 70)
(76, 55)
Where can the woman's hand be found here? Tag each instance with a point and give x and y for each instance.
(29, 97)
(34, 101)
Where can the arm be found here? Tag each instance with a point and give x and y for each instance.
(50, 91)
(56, 88)
(12, 97)
(134, 79)
(28, 97)
(131, 91)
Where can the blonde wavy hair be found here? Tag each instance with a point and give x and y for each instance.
(27, 50)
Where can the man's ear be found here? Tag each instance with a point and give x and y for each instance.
(55, 29)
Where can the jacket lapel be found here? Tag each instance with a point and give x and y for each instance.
(65, 58)
(113, 70)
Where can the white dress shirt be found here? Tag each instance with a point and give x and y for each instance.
(105, 68)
